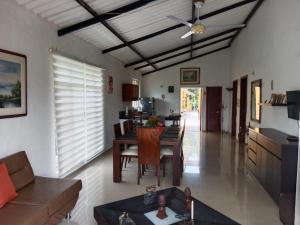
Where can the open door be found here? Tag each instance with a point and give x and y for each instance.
(191, 106)
(213, 109)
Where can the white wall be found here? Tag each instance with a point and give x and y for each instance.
(269, 48)
(215, 71)
(25, 33)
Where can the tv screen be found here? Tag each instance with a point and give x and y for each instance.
(293, 102)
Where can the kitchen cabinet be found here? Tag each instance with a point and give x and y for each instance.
(130, 92)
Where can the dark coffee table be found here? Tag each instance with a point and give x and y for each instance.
(108, 214)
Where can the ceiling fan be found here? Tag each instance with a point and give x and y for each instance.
(198, 27)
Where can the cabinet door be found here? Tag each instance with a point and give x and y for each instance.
(271, 174)
(130, 92)
(275, 181)
(136, 92)
(259, 171)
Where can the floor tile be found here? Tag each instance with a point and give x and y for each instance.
(214, 170)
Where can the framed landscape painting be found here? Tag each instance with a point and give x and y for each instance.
(13, 87)
(189, 76)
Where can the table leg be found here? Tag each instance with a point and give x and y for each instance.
(117, 163)
(176, 165)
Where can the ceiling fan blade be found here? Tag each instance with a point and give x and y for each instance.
(178, 20)
(217, 27)
(187, 34)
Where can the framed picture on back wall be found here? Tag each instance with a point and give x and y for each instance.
(189, 76)
(13, 84)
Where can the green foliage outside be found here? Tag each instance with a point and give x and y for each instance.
(194, 99)
(15, 95)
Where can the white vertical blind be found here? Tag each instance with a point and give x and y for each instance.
(79, 112)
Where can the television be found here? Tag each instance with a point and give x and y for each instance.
(293, 104)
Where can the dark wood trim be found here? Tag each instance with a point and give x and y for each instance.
(185, 52)
(208, 15)
(183, 46)
(234, 108)
(243, 112)
(259, 82)
(26, 91)
(249, 17)
(194, 57)
(193, 21)
(103, 17)
(95, 14)
(206, 117)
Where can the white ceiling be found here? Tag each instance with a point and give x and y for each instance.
(138, 23)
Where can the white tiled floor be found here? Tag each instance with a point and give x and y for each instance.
(214, 170)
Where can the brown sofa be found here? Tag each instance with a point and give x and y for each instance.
(41, 201)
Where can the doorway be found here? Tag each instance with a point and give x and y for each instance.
(234, 109)
(243, 109)
(191, 106)
(213, 109)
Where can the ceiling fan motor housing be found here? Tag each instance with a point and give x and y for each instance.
(198, 28)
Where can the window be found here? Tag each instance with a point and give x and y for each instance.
(79, 113)
(135, 104)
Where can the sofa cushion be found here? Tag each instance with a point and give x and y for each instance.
(14, 214)
(7, 188)
(19, 169)
(51, 192)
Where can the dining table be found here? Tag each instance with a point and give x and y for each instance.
(170, 136)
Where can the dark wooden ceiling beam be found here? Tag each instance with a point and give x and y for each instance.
(185, 52)
(183, 61)
(184, 46)
(193, 21)
(208, 15)
(249, 17)
(95, 14)
(105, 16)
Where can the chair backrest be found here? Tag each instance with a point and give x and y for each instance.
(126, 126)
(148, 145)
(117, 130)
(130, 124)
(183, 130)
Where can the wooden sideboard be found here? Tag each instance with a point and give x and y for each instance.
(273, 161)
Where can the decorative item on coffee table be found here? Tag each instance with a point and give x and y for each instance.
(150, 196)
(142, 214)
(124, 219)
(188, 199)
(161, 213)
(164, 215)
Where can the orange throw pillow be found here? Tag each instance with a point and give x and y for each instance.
(7, 188)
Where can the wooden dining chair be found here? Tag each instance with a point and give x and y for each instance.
(167, 152)
(148, 150)
(126, 126)
(127, 153)
(130, 124)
